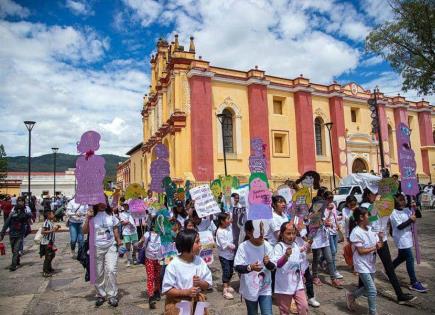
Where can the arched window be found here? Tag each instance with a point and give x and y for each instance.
(391, 142)
(228, 131)
(320, 137)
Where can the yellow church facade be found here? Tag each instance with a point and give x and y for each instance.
(290, 116)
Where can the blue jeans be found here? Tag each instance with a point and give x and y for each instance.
(333, 247)
(76, 235)
(265, 302)
(368, 279)
(405, 254)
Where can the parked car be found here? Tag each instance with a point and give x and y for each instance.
(342, 192)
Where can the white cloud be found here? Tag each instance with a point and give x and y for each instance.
(146, 11)
(10, 8)
(378, 11)
(44, 77)
(371, 61)
(79, 7)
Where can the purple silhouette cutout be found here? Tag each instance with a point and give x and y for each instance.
(90, 170)
(159, 168)
(257, 160)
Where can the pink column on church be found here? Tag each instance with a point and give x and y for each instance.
(426, 135)
(336, 112)
(305, 132)
(200, 127)
(259, 117)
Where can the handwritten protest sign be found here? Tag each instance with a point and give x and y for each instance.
(383, 207)
(205, 204)
(388, 186)
(257, 159)
(207, 245)
(259, 198)
(407, 164)
(159, 168)
(137, 209)
(90, 170)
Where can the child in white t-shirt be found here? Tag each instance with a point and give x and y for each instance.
(187, 277)
(253, 263)
(289, 284)
(401, 220)
(129, 234)
(226, 252)
(279, 217)
(365, 242)
(153, 256)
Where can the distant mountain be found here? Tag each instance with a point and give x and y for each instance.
(44, 163)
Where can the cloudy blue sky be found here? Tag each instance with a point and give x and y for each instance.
(75, 65)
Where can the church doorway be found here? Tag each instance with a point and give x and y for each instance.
(359, 166)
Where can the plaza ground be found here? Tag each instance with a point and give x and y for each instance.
(25, 291)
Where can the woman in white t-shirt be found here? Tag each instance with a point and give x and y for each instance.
(107, 241)
(289, 284)
(253, 263)
(226, 252)
(187, 277)
(365, 242)
(401, 220)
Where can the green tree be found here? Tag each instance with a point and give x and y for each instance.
(3, 164)
(407, 43)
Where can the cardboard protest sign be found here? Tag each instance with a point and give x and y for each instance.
(207, 245)
(170, 188)
(383, 207)
(137, 209)
(426, 200)
(243, 192)
(407, 164)
(205, 204)
(168, 252)
(301, 201)
(159, 168)
(187, 186)
(259, 198)
(373, 213)
(216, 188)
(388, 186)
(164, 226)
(257, 159)
(90, 170)
(315, 218)
(285, 192)
(134, 191)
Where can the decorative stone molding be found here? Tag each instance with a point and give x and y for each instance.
(200, 73)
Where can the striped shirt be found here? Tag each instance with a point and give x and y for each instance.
(50, 237)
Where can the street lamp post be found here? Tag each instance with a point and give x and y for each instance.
(29, 125)
(221, 118)
(54, 171)
(329, 127)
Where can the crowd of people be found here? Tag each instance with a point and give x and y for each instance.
(275, 260)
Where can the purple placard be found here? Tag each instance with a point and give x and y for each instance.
(137, 209)
(159, 168)
(257, 160)
(407, 163)
(90, 170)
(260, 199)
(92, 262)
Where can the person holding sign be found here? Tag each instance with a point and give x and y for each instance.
(368, 199)
(107, 241)
(253, 263)
(187, 276)
(401, 220)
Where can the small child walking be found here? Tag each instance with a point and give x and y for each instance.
(289, 284)
(401, 220)
(365, 242)
(153, 256)
(129, 234)
(187, 277)
(46, 247)
(253, 263)
(226, 252)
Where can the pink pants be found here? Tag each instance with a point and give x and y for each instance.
(284, 301)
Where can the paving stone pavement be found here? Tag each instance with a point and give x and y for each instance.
(27, 292)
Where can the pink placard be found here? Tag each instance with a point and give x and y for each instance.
(90, 170)
(260, 199)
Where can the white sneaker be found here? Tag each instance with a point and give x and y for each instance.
(338, 275)
(128, 263)
(313, 302)
(227, 295)
(230, 289)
